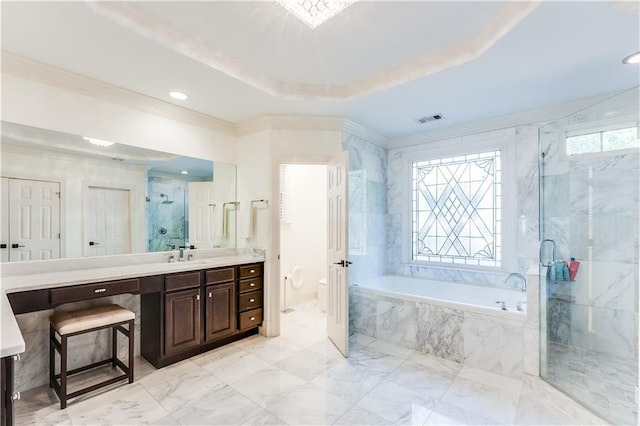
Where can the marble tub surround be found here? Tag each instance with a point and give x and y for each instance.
(382, 385)
(488, 341)
(523, 141)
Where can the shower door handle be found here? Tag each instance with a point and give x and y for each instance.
(92, 243)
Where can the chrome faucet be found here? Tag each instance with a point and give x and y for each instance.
(517, 275)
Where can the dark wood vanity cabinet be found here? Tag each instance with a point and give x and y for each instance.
(220, 290)
(199, 311)
(181, 321)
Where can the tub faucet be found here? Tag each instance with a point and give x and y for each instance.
(521, 277)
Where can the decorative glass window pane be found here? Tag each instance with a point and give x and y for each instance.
(456, 210)
(610, 140)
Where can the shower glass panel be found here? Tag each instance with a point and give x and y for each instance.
(589, 180)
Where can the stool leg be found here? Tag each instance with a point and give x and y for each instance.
(131, 348)
(52, 359)
(114, 346)
(63, 373)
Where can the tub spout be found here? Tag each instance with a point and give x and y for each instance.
(519, 276)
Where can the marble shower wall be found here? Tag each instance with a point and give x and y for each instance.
(591, 211)
(489, 342)
(367, 208)
(167, 223)
(524, 140)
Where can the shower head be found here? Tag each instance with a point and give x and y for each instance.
(167, 201)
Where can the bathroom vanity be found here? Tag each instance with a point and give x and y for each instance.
(186, 308)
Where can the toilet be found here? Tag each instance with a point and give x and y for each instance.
(322, 293)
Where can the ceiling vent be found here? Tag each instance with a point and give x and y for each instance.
(428, 118)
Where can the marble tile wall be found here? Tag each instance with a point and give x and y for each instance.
(483, 341)
(524, 141)
(167, 223)
(367, 208)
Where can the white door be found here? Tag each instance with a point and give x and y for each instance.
(337, 251)
(201, 214)
(4, 221)
(107, 229)
(34, 220)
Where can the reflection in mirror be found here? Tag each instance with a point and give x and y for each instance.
(65, 195)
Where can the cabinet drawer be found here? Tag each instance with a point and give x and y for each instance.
(91, 291)
(249, 271)
(251, 300)
(181, 281)
(220, 275)
(250, 319)
(250, 285)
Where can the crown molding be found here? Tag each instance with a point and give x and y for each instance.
(290, 122)
(519, 119)
(362, 132)
(23, 67)
(189, 45)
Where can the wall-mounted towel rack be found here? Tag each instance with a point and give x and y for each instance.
(259, 201)
(233, 203)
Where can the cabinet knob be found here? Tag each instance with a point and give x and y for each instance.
(99, 290)
(210, 295)
(252, 284)
(251, 271)
(252, 318)
(198, 297)
(15, 396)
(16, 357)
(252, 300)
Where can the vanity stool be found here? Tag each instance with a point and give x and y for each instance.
(74, 323)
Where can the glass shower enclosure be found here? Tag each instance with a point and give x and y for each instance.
(589, 221)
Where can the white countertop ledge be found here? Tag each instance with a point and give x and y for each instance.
(11, 341)
(39, 281)
(37, 275)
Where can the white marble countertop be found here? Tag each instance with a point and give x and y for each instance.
(11, 341)
(84, 276)
(67, 272)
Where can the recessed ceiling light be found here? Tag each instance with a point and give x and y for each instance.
(634, 58)
(184, 172)
(98, 142)
(178, 95)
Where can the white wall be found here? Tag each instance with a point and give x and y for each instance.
(260, 154)
(75, 174)
(41, 105)
(303, 236)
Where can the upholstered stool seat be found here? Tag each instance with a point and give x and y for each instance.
(73, 323)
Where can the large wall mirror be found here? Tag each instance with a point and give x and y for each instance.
(67, 195)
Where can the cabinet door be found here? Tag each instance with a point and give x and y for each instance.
(182, 321)
(221, 311)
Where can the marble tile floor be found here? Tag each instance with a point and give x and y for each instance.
(299, 378)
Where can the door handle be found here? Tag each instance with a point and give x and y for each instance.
(91, 243)
(343, 263)
(3, 246)
(16, 245)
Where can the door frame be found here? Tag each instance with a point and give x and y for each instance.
(133, 216)
(271, 323)
(62, 210)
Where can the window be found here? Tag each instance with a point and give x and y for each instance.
(609, 140)
(457, 210)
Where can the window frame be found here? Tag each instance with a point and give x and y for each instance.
(496, 141)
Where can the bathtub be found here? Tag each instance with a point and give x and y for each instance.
(458, 322)
(460, 296)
